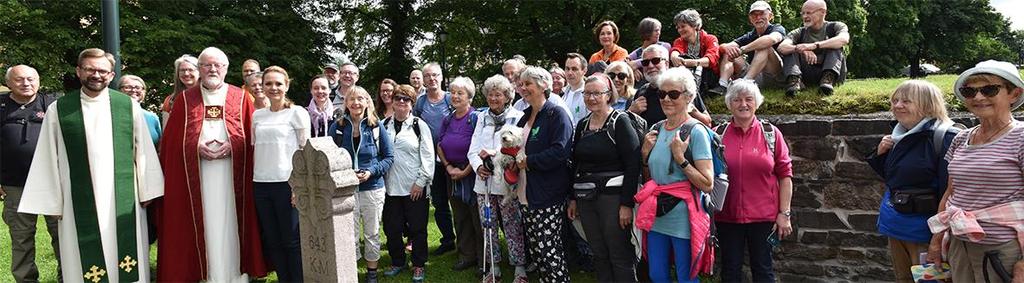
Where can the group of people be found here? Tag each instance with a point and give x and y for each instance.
(615, 152)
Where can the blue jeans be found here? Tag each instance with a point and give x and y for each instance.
(752, 238)
(279, 229)
(659, 248)
(442, 212)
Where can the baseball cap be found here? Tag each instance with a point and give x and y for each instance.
(332, 66)
(760, 6)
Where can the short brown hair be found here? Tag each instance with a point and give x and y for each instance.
(95, 53)
(615, 30)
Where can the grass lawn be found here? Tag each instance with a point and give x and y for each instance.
(438, 268)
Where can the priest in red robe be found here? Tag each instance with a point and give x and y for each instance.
(208, 228)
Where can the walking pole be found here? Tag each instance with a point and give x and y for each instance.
(488, 222)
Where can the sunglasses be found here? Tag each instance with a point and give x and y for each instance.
(402, 99)
(987, 91)
(621, 76)
(652, 61)
(671, 94)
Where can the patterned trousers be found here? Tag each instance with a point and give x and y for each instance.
(507, 217)
(544, 228)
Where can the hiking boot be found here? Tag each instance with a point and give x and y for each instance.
(443, 249)
(418, 274)
(792, 85)
(827, 79)
(371, 276)
(394, 270)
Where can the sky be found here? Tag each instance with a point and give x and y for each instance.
(1011, 9)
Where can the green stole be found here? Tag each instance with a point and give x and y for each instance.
(90, 245)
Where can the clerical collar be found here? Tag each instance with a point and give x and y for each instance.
(103, 95)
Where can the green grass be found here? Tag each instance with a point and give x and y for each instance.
(859, 96)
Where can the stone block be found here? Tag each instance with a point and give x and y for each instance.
(805, 128)
(856, 170)
(796, 251)
(817, 220)
(852, 255)
(812, 169)
(838, 271)
(814, 237)
(806, 195)
(799, 267)
(853, 195)
(863, 222)
(814, 148)
(872, 273)
(879, 256)
(862, 146)
(860, 127)
(848, 239)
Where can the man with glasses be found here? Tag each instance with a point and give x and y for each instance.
(95, 168)
(753, 56)
(814, 53)
(21, 118)
(209, 231)
(349, 76)
(433, 107)
(645, 103)
(249, 67)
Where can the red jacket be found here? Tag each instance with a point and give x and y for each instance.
(708, 47)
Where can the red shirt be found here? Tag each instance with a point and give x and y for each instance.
(708, 48)
(753, 174)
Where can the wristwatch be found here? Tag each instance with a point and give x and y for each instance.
(787, 213)
(684, 164)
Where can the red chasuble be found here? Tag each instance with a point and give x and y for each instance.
(182, 246)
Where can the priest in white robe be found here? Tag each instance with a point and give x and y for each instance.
(95, 166)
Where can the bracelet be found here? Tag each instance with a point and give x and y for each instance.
(787, 213)
(817, 46)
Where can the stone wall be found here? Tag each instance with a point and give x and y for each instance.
(835, 200)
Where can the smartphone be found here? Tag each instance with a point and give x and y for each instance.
(773, 239)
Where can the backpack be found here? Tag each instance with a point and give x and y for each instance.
(415, 126)
(714, 201)
(639, 125)
(766, 129)
(830, 32)
(939, 135)
(421, 102)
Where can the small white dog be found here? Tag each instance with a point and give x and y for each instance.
(506, 170)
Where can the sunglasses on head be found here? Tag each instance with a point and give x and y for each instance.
(621, 76)
(402, 99)
(652, 61)
(987, 91)
(674, 94)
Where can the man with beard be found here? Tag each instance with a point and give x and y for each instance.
(331, 72)
(95, 168)
(21, 114)
(416, 81)
(208, 228)
(753, 55)
(646, 102)
(814, 52)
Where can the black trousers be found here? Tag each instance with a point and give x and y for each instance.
(442, 211)
(752, 238)
(403, 215)
(828, 60)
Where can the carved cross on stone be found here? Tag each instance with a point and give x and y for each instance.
(324, 183)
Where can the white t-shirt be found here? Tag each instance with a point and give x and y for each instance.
(276, 137)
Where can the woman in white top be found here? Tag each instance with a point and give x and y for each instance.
(485, 143)
(407, 184)
(278, 131)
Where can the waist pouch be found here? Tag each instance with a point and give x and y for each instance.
(587, 185)
(914, 200)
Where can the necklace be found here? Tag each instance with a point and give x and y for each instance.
(990, 136)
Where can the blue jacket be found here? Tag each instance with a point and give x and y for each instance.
(547, 156)
(911, 163)
(375, 160)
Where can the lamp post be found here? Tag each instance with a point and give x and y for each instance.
(112, 36)
(442, 36)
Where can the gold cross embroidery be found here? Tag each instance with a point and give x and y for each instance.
(127, 264)
(213, 112)
(95, 274)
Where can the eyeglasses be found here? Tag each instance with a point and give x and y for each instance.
(402, 99)
(652, 61)
(96, 71)
(131, 87)
(595, 94)
(674, 94)
(987, 91)
(212, 66)
(621, 76)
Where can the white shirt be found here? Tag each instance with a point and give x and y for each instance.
(485, 137)
(574, 100)
(414, 158)
(521, 104)
(276, 136)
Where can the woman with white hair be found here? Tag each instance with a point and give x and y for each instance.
(186, 75)
(760, 187)
(486, 144)
(135, 87)
(678, 155)
(544, 176)
(453, 148)
(985, 195)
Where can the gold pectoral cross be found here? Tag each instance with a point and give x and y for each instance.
(127, 264)
(95, 274)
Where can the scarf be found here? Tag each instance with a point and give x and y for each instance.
(320, 119)
(498, 119)
(899, 132)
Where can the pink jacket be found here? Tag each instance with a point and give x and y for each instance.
(702, 255)
(962, 223)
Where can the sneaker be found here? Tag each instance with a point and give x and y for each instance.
(371, 276)
(418, 274)
(394, 270)
(443, 249)
(792, 85)
(827, 79)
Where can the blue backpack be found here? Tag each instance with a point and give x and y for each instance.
(714, 201)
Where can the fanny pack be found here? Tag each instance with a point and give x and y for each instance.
(915, 200)
(587, 185)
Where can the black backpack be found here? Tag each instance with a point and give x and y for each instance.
(415, 126)
(639, 125)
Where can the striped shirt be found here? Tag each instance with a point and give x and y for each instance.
(986, 175)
